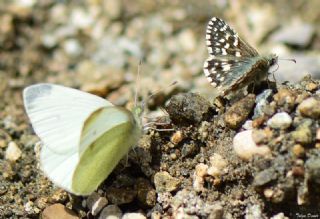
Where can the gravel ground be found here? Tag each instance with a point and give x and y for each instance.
(255, 156)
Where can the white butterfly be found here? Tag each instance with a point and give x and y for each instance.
(84, 136)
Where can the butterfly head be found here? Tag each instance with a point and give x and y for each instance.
(273, 59)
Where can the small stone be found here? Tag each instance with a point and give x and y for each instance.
(238, 113)
(146, 194)
(298, 150)
(247, 125)
(218, 165)
(279, 216)
(313, 169)
(133, 216)
(262, 102)
(177, 137)
(310, 108)
(58, 211)
(268, 193)
(311, 86)
(216, 212)
(198, 177)
(189, 149)
(285, 98)
(188, 108)
(303, 133)
(95, 203)
(245, 147)
(164, 182)
(13, 152)
(262, 136)
(111, 212)
(264, 177)
(280, 121)
(120, 196)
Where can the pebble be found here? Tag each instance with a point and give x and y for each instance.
(177, 137)
(13, 152)
(146, 194)
(111, 212)
(262, 101)
(201, 171)
(264, 177)
(279, 216)
(280, 121)
(164, 182)
(133, 216)
(72, 47)
(218, 165)
(95, 203)
(298, 150)
(313, 169)
(303, 133)
(58, 211)
(187, 108)
(238, 113)
(310, 108)
(245, 147)
(120, 196)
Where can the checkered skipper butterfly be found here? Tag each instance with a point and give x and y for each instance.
(232, 62)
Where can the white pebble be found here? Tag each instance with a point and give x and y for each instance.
(280, 121)
(13, 152)
(133, 216)
(111, 212)
(245, 147)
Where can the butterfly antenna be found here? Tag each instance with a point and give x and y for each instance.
(161, 89)
(137, 84)
(292, 60)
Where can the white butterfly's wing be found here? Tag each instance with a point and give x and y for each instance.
(59, 167)
(57, 114)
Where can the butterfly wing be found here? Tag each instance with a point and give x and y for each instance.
(229, 56)
(107, 136)
(57, 114)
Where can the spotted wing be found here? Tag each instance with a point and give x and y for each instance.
(230, 57)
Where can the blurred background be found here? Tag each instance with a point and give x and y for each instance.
(96, 45)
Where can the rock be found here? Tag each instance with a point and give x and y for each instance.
(189, 149)
(146, 194)
(298, 150)
(177, 137)
(165, 183)
(279, 216)
(13, 152)
(262, 136)
(198, 177)
(285, 97)
(313, 169)
(296, 34)
(303, 133)
(237, 114)
(245, 147)
(253, 211)
(120, 196)
(280, 121)
(133, 216)
(95, 203)
(262, 102)
(111, 212)
(310, 108)
(188, 108)
(218, 165)
(58, 211)
(264, 177)
(216, 212)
